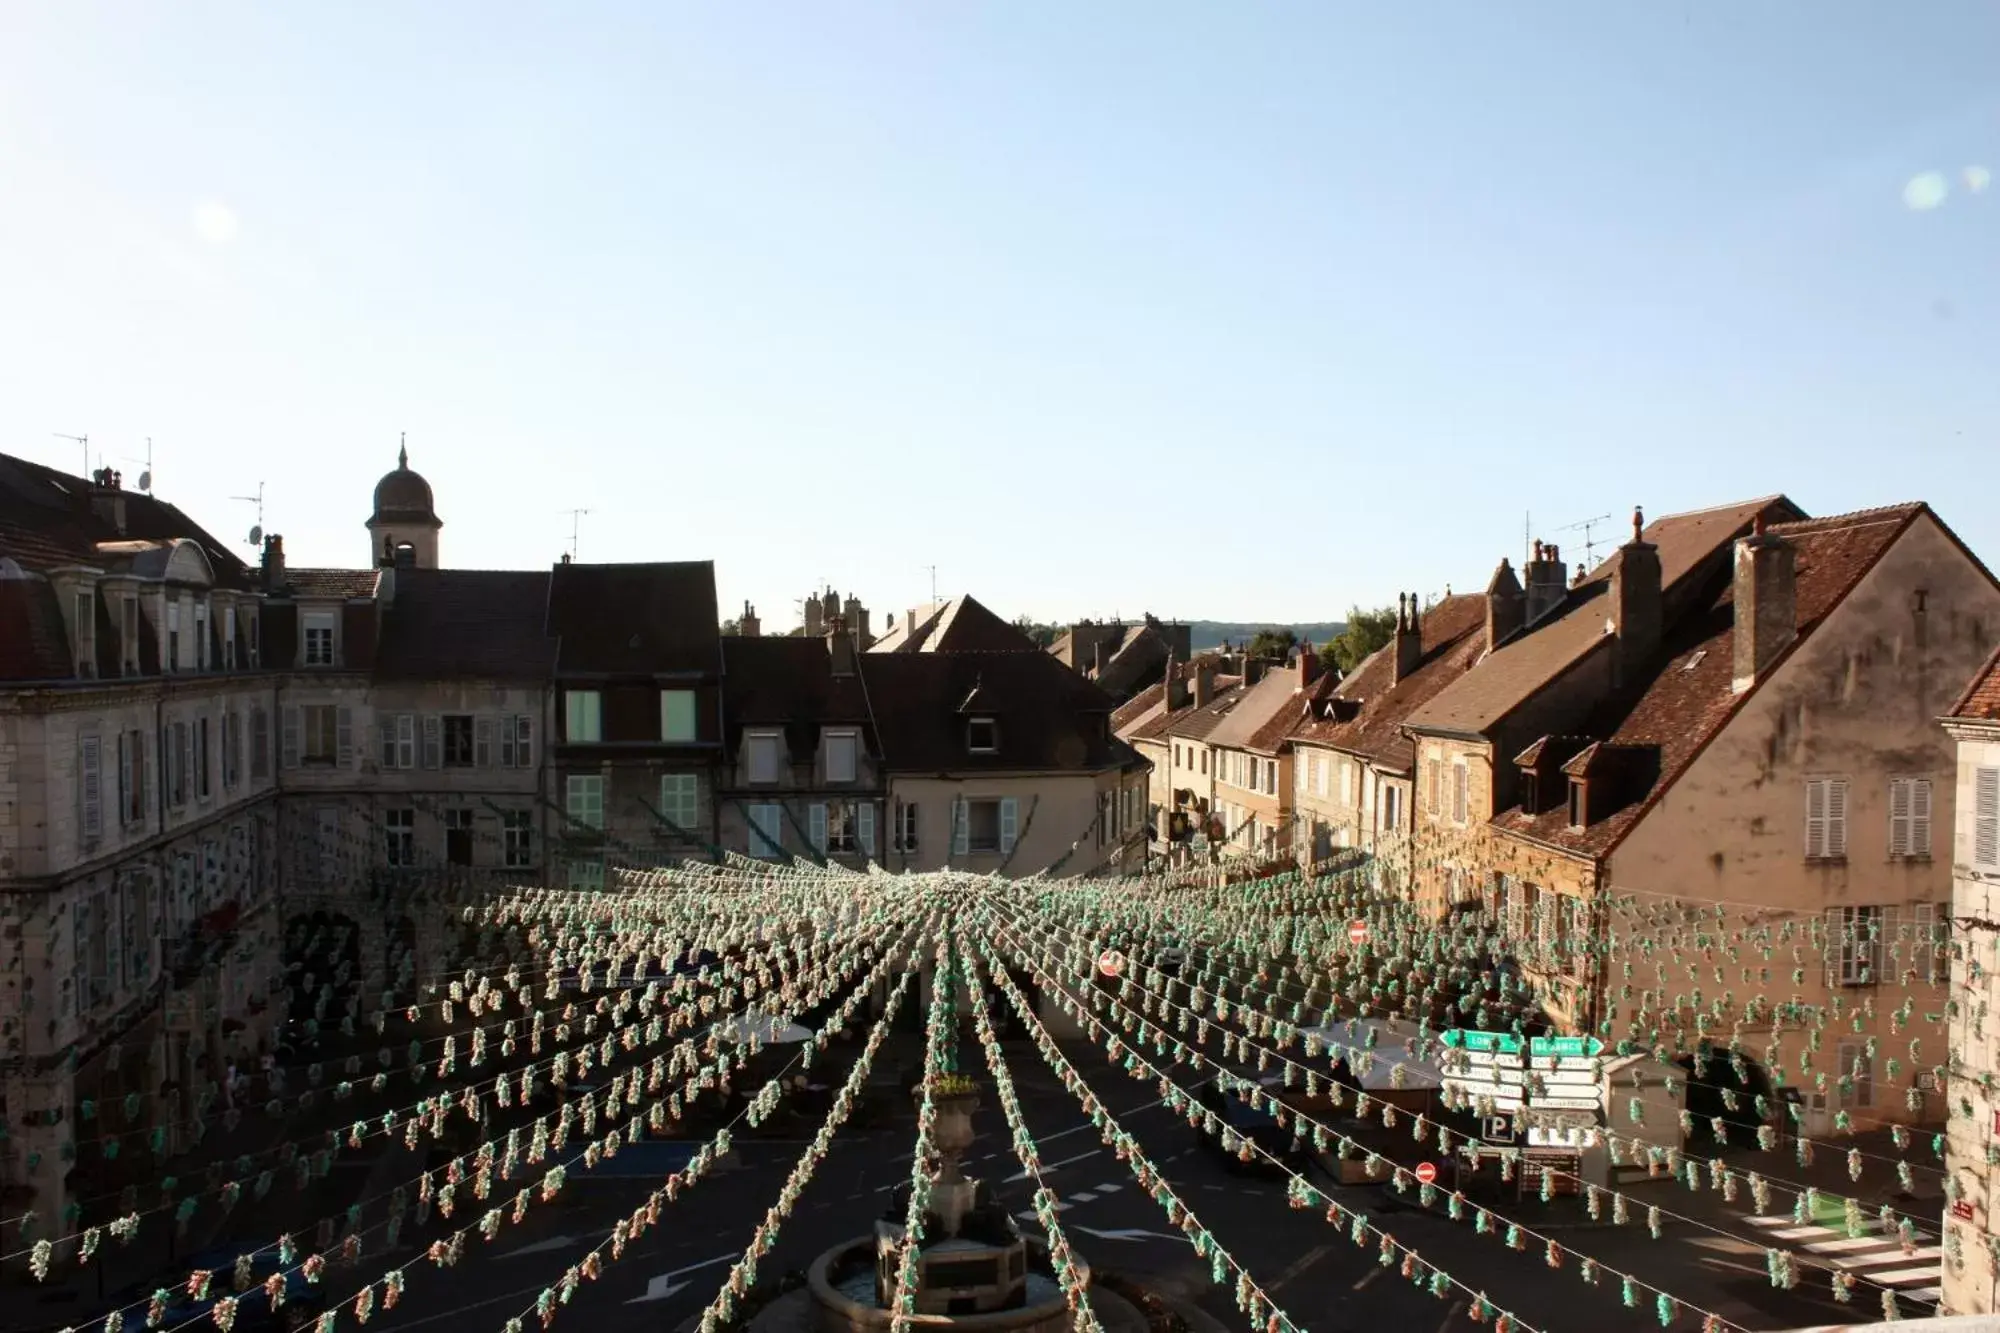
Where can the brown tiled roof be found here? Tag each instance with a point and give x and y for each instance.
(1682, 707)
(1981, 700)
(46, 520)
(488, 624)
(961, 625)
(1519, 668)
(1049, 718)
(638, 620)
(1274, 699)
(1373, 706)
(342, 583)
(788, 682)
(1197, 724)
(1134, 711)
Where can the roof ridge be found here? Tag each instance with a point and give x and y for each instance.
(1854, 518)
(1759, 501)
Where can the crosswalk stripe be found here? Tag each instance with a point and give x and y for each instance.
(1084, 1197)
(1843, 1245)
(1902, 1277)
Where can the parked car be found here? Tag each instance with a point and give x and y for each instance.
(1255, 1123)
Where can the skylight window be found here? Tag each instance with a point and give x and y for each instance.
(1695, 661)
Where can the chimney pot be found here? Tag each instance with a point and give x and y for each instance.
(1204, 684)
(1765, 608)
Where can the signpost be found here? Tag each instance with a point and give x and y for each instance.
(1110, 962)
(1500, 1072)
(1426, 1172)
(1357, 933)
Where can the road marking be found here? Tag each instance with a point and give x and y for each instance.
(1367, 1277)
(663, 1286)
(1084, 1197)
(1157, 1101)
(1903, 1277)
(539, 1247)
(1305, 1261)
(1129, 1233)
(535, 1290)
(1052, 1167)
(1457, 1309)
(1109, 1188)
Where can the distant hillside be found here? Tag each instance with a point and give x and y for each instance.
(1206, 634)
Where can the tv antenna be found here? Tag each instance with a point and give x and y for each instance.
(146, 477)
(575, 529)
(933, 570)
(1589, 543)
(81, 440)
(256, 537)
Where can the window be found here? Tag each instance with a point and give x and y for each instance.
(1576, 934)
(128, 636)
(458, 837)
(319, 638)
(982, 735)
(586, 875)
(839, 748)
(1826, 819)
(90, 788)
(229, 659)
(1322, 767)
(1575, 804)
(677, 722)
(179, 756)
(766, 833)
(201, 765)
(1204, 763)
(583, 716)
(397, 733)
(1910, 818)
(1857, 1075)
(680, 800)
(1853, 945)
(1930, 950)
(321, 741)
(517, 741)
(906, 826)
(1986, 818)
(132, 777)
(1461, 784)
(835, 828)
(583, 799)
(85, 637)
(201, 636)
(433, 741)
(173, 660)
(761, 749)
(1392, 809)
(399, 828)
(256, 639)
(985, 826)
(232, 745)
(458, 740)
(517, 840)
(1432, 802)
(260, 744)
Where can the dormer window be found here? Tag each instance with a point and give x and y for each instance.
(839, 748)
(760, 756)
(229, 660)
(319, 638)
(173, 660)
(201, 636)
(128, 635)
(85, 637)
(982, 735)
(583, 716)
(677, 720)
(256, 639)
(1579, 804)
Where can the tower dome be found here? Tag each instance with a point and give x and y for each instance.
(404, 527)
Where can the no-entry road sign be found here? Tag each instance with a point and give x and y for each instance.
(1357, 932)
(1426, 1172)
(1110, 962)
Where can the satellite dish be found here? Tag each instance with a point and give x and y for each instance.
(146, 480)
(257, 535)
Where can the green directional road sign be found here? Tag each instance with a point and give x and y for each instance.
(1467, 1040)
(1542, 1048)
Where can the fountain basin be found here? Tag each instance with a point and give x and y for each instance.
(842, 1284)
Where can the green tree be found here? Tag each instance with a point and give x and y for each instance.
(1273, 643)
(1364, 633)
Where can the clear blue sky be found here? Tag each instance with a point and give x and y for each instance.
(1243, 312)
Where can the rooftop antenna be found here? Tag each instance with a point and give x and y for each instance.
(575, 530)
(1589, 544)
(81, 440)
(146, 477)
(256, 537)
(933, 570)
(1527, 538)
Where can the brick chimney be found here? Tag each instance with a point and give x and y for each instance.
(274, 564)
(815, 623)
(857, 623)
(749, 626)
(840, 647)
(1506, 605)
(1204, 684)
(1766, 596)
(1408, 641)
(1637, 614)
(1177, 688)
(107, 499)
(1548, 582)
(1308, 666)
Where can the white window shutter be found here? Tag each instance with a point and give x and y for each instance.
(961, 828)
(507, 741)
(817, 824)
(1920, 817)
(91, 763)
(433, 741)
(291, 737)
(1899, 816)
(1816, 818)
(482, 741)
(385, 733)
(343, 737)
(1986, 818)
(524, 741)
(406, 740)
(1010, 824)
(864, 826)
(125, 777)
(1836, 818)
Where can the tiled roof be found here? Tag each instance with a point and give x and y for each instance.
(637, 619)
(1196, 724)
(488, 624)
(343, 583)
(1682, 707)
(1981, 700)
(1275, 697)
(1133, 713)
(46, 520)
(961, 625)
(788, 682)
(1372, 705)
(1048, 718)
(1513, 673)
(32, 643)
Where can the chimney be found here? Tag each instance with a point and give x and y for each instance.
(1636, 610)
(1253, 670)
(815, 626)
(1096, 657)
(1177, 689)
(565, 557)
(857, 621)
(749, 626)
(1204, 684)
(1308, 665)
(107, 499)
(1548, 582)
(1408, 643)
(274, 564)
(1506, 605)
(1766, 595)
(840, 647)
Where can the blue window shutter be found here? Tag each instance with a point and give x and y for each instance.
(864, 820)
(819, 827)
(1009, 824)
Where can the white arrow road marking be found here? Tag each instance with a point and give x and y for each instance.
(1158, 1101)
(1022, 1174)
(540, 1246)
(663, 1286)
(1128, 1234)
